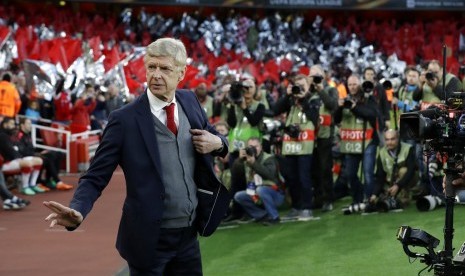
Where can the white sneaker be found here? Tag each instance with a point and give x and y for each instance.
(10, 204)
(306, 215)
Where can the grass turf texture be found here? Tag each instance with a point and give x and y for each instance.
(336, 244)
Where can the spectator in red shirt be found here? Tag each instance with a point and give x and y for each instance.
(82, 109)
(63, 105)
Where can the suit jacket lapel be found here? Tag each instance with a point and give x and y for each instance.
(147, 129)
(188, 109)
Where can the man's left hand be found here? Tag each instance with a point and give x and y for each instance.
(393, 190)
(205, 142)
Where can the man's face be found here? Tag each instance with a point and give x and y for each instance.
(256, 145)
(302, 83)
(201, 90)
(26, 126)
(412, 77)
(391, 139)
(353, 83)
(163, 77)
(435, 69)
(249, 91)
(222, 129)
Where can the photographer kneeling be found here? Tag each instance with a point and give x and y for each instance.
(245, 117)
(394, 175)
(263, 194)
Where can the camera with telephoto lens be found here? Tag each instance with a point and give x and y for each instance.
(296, 90)
(429, 203)
(317, 79)
(354, 208)
(292, 130)
(236, 91)
(387, 204)
(251, 151)
(368, 86)
(387, 84)
(347, 103)
(430, 76)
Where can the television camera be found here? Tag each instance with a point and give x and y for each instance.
(441, 129)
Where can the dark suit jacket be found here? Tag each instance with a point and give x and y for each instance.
(129, 141)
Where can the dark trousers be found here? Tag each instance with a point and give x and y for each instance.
(178, 253)
(323, 170)
(238, 183)
(52, 163)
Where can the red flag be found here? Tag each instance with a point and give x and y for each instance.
(73, 50)
(111, 58)
(94, 44)
(57, 53)
(285, 65)
(4, 32)
(137, 69)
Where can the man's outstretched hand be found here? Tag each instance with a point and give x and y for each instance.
(62, 215)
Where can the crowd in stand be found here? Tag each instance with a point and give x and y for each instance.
(306, 139)
(36, 170)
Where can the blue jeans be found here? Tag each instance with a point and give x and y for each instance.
(270, 198)
(352, 163)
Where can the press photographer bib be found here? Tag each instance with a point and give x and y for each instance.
(354, 138)
(302, 144)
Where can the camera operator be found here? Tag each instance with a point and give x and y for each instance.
(263, 194)
(394, 174)
(404, 97)
(371, 86)
(326, 97)
(245, 116)
(404, 102)
(358, 115)
(297, 147)
(431, 92)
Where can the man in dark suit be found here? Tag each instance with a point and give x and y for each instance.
(164, 145)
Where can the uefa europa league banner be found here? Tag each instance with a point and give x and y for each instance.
(310, 4)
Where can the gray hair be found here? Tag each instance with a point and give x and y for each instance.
(168, 47)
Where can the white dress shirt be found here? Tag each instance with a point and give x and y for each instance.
(157, 105)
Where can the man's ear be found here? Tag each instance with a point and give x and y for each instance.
(182, 73)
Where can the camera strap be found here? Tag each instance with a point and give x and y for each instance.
(395, 165)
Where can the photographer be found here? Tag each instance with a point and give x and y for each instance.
(326, 97)
(431, 92)
(298, 141)
(374, 88)
(245, 116)
(395, 173)
(358, 115)
(263, 194)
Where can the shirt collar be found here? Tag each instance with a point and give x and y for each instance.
(156, 103)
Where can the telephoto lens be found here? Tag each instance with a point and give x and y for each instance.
(317, 79)
(296, 89)
(368, 86)
(429, 203)
(354, 208)
(430, 76)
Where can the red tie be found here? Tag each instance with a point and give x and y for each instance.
(170, 118)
